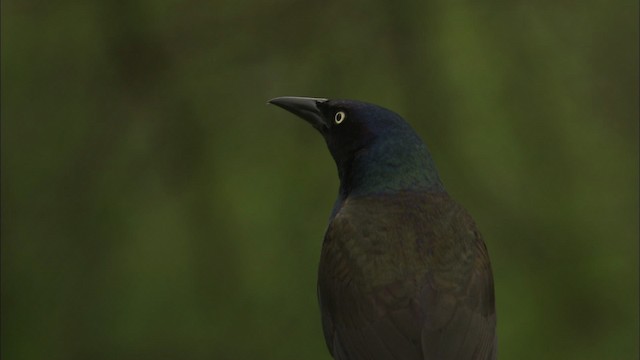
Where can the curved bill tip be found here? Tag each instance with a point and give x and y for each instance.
(304, 107)
(283, 100)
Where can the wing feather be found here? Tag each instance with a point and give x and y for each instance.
(406, 277)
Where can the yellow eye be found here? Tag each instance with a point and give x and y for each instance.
(340, 116)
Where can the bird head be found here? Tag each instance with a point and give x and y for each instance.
(375, 150)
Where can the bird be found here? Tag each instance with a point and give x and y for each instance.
(404, 272)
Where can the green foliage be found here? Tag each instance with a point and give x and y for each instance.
(153, 206)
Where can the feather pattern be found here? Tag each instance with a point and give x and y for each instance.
(406, 276)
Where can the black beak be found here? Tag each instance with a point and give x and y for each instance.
(304, 107)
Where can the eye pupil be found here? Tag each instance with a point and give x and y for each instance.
(340, 116)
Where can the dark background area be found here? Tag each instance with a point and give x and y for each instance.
(154, 207)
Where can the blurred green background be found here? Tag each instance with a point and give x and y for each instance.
(154, 207)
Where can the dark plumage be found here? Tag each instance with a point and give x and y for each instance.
(404, 272)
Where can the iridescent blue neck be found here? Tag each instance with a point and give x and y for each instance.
(389, 165)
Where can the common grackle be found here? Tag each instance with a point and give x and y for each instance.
(404, 272)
